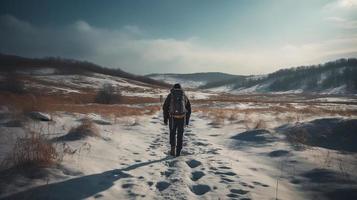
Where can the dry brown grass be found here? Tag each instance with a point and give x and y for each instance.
(247, 121)
(232, 117)
(252, 118)
(68, 150)
(282, 99)
(260, 124)
(220, 115)
(78, 103)
(296, 113)
(32, 150)
(217, 117)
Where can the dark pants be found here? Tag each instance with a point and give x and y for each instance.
(176, 128)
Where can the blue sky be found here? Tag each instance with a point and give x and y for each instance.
(141, 36)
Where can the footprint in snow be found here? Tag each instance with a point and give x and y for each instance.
(150, 183)
(229, 173)
(225, 180)
(200, 144)
(247, 185)
(224, 167)
(193, 163)
(197, 175)
(168, 173)
(162, 185)
(171, 163)
(200, 189)
(239, 191)
(260, 184)
(231, 195)
(127, 185)
(213, 151)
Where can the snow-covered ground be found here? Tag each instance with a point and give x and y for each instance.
(220, 160)
(75, 83)
(39, 71)
(132, 162)
(93, 81)
(236, 147)
(222, 89)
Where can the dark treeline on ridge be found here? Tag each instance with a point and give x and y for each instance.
(12, 63)
(312, 78)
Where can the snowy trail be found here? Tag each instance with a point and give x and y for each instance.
(201, 172)
(191, 175)
(133, 163)
(209, 169)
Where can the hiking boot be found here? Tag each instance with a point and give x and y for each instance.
(178, 152)
(172, 152)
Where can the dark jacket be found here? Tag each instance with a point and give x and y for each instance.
(166, 109)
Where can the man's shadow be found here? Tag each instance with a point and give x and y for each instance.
(80, 187)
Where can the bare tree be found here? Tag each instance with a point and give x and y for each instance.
(108, 94)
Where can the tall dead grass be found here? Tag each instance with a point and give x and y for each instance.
(27, 103)
(34, 149)
(260, 124)
(251, 124)
(298, 113)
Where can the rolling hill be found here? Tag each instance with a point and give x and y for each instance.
(193, 80)
(335, 77)
(13, 63)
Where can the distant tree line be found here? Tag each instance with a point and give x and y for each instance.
(312, 78)
(317, 77)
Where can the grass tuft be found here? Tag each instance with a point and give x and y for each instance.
(86, 129)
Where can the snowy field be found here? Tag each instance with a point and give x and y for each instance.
(278, 146)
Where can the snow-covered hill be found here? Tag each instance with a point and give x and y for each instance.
(194, 80)
(57, 142)
(337, 77)
(62, 76)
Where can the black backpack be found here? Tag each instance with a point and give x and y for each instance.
(178, 103)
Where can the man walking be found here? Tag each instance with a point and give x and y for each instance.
(177, 110)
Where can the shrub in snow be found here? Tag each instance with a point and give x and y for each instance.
(108, 94)
(34, 149)
(85, 129)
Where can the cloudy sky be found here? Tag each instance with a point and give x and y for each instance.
(141, 36)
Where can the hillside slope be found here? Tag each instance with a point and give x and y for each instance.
(12, 63)
(71, 81)
(193, 80)
(336, 77)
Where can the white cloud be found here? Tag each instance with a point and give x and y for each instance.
(342, 22)
(130, 49)
(347, 3)
(341, 4)
(82, 26)
(315, 51)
